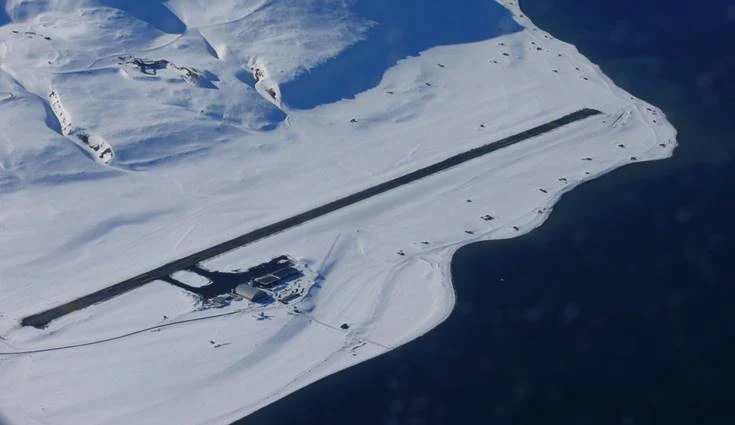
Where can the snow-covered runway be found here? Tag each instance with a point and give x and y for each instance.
(194, 165)
(43, 318)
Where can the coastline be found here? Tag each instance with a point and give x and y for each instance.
(668, 135)
(442, 255)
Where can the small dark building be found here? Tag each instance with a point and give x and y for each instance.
(267, 280)
(286, 273)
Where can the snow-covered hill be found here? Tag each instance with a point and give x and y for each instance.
(134, 132)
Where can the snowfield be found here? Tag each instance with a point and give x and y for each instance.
(224, 116)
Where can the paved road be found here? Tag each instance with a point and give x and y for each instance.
(43, 318)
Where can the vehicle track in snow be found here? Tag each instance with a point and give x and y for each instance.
(125, 335)
(19, 351)
(42, 319)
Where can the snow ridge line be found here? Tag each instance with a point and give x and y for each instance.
(98, 147)
(265, 85)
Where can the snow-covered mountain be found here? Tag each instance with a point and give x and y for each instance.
(134, 132)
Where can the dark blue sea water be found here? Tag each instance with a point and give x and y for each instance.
(621, 308)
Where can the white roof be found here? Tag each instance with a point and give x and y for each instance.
(246, 290)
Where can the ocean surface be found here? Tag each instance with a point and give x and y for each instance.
(620, 309)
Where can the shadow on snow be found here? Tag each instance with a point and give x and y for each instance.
(402, 29)
(4, 18)
(151, 11)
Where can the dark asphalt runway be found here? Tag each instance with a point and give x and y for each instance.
(43, 318)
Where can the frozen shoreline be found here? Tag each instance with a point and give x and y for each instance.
(414, 291)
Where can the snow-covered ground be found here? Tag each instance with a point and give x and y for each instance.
(223, 116)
